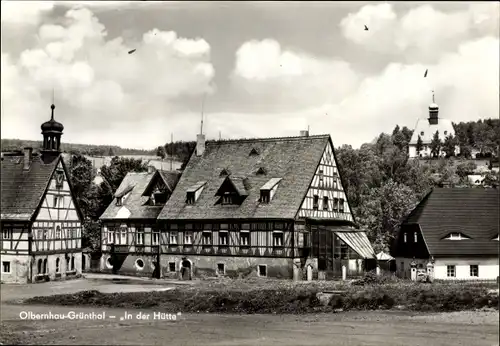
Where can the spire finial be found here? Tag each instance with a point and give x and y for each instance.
(433, 96)
(52, 107)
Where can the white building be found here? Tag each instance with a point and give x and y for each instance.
(426, 128)
(456, 229)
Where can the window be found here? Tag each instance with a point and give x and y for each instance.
(45, 234)
(58, 265)
(265, 196)
(223, 238)
(325, 203)
(6, 267)
(45, 266)
(59, 179)
(315, 202)
(227, 198)
(171, 267)
(190, 198)
(123, 235)
(445, 133)
(140, 237)
(188, 238)
(474, 270)
(67, 263)
(422, 133)
(58, 232)
(278, 239)
(320, 175)
(172, 239)
(72, 262)
(111, 234)
(415, 237)
(404, 237)
(109, 263)
(118, 201)
(221, 269)
(244, 238)
(450, 271)
(341, 205)
(139, 264)
(56, 201)
(262, 270)
(207, 238)
(7, 233)
(40, 266)
(155, 238)
(335, 204)
(39, 234)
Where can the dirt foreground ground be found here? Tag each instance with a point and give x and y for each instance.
(346, 328)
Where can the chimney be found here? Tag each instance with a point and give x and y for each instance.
(200, 144)
(28, 151)
(304, 133)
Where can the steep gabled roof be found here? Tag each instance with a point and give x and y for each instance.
(443, 125)
(293, 159)
(22, 191)
(169, 178)
(470, 211)
(134, 184)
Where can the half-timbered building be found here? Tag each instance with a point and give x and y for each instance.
(268, 207)
(130, 238)
(40, 220)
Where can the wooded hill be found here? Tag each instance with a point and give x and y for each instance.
(84, 149)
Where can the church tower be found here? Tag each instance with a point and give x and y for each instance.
(51, 131)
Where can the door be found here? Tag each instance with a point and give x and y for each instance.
(186, 270)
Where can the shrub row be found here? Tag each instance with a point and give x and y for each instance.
(416, 297)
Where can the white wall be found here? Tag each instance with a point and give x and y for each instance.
(488, 268)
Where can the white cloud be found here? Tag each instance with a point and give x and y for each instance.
(97, 82)
(420, 33)
(24, 12)
(267, 72)
(465, 82)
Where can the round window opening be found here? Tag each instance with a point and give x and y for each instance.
(139, 264)
(109, 263)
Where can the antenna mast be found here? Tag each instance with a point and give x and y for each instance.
(202, 110)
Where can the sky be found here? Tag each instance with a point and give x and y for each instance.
(256, 69)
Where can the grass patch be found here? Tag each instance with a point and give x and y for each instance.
(257, 296)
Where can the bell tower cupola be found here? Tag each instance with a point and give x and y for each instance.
(51, 131)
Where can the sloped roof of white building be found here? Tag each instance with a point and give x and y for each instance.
(444, 126)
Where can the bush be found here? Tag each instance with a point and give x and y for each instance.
(289, 298)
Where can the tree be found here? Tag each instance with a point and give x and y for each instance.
(118, 169)
(449, 146)
(82, 174)
(491, 179)
(160, 151)
(466, 168)
(419, 146)
(435, 145)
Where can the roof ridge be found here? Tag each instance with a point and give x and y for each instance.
(265, 139)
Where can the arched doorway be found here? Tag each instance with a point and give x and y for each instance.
(186, 267)
(84, 258)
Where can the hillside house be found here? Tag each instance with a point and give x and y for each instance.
(271, 207)
(130, 238)
(454, 228)
(40, 220)
(426, 128)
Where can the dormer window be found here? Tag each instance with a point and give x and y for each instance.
(456, 236)
(422, 133)
(254, 152)
(194, 192)
(119, 201)
(224, 172)
(445, 133)
(261, 171)
(268, 190)
(264, 196)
